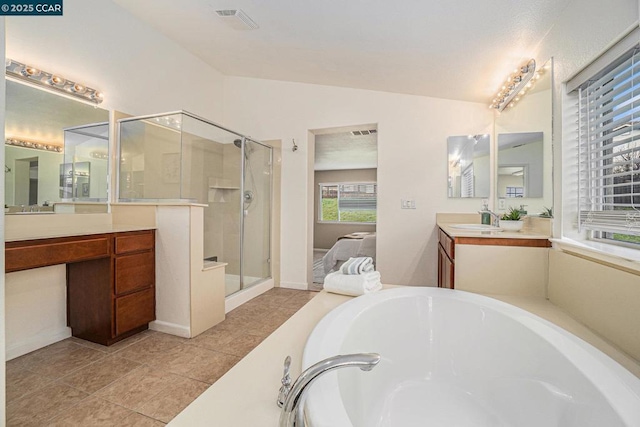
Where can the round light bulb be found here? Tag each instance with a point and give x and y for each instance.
(56, 80)
(78, 88)
(30, 71)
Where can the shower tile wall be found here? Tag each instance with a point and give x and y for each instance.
(222, 229)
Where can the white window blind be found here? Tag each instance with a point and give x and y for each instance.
(609, 148)
(467, 182)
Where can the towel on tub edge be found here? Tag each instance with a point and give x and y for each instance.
(352, 284)
(359, 265)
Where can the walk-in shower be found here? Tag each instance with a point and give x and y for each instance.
(180, 157)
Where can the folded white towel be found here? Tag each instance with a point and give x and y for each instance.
(352, 284)
(357, 265)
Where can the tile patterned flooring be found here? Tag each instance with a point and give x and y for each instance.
(145, 380)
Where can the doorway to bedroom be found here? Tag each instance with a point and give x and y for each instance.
(345, 197)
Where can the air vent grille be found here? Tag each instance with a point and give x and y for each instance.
(363, 132)
(226, 12)
(237, 19)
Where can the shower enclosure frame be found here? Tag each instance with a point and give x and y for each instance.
(243, 160)
(244, 139)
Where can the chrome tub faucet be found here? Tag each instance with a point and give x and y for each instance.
(290, 397)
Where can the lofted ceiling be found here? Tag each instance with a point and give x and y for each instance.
(347, 150)
(447, 49)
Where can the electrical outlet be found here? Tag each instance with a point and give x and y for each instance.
(502, 204)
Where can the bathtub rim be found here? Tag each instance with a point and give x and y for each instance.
(619, 387)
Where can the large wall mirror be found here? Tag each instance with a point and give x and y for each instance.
(520, 165)
(525, 159)
(468, 165)
(39, 171)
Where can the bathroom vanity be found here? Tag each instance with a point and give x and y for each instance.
(110, 278)
(494, 262)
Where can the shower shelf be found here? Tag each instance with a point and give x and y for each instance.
(220, 187)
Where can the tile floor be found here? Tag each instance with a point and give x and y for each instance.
(145, 380)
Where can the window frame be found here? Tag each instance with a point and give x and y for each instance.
(597, 152)
(338, 184)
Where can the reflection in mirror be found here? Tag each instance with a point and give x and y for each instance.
(525, 160)
(86, 158)
(468, 164)
(34, 128)
(520, 163)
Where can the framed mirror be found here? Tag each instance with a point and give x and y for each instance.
(468, 166)
(524, 167)
(35, 125)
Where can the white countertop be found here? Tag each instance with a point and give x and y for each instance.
(246, 394)
(522, 234)
(11, 235)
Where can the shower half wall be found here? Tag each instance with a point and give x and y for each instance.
(182, 158)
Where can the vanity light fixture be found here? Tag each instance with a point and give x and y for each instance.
(36, 77)
(517, 85)
(32, 144)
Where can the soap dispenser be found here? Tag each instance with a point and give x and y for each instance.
(485, 217)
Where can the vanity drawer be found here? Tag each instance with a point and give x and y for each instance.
(447, 243)
(26, 255)
(133, 272)
(133, 242)
(135, 310)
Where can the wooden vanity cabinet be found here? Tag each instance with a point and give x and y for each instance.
(495, 265)
(110, 279)
(112, 298)
(446, 264)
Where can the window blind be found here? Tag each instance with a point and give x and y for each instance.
(609, 148)
(467, 182)
(357, 197)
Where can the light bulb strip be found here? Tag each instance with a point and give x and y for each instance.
(516, 86)
(34, 145)
(36, 76)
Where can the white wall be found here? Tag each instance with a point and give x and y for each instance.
(139, 70)
(412, 163)
(36, 309)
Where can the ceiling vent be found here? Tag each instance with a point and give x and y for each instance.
(363, 132)
(237, 19)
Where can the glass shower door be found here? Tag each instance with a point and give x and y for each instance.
(256, 211)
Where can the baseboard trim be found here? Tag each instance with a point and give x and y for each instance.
(170, 328)
(294, 285)
(35, 343)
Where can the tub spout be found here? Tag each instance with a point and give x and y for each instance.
(291, 415)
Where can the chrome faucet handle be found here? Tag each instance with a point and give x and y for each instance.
(286, 383)
(292, 411)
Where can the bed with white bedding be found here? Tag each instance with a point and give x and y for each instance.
(350, 247)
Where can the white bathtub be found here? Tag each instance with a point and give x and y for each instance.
(452, 358)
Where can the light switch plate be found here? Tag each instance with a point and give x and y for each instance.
(502, 203)
(407, 204)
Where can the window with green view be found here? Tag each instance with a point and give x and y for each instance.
(348, 202)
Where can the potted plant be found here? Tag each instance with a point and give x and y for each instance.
(547, 213)
(511, 221)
